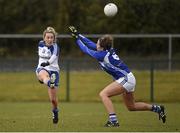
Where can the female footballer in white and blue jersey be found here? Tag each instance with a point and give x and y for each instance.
(124, 80)
(48, 69)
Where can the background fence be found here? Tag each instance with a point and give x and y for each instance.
(70, 64)
(169, 43)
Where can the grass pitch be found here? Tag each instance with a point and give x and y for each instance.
(24, 103)
(82, 117)
(85, 86)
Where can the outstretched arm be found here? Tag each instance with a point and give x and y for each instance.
(84, 48)
(81, 41)
(75, 34)
(95, 54)
(88, 42)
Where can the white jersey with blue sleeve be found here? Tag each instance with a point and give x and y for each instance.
(50, 54)
(108, 60)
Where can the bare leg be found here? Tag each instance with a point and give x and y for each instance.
(43, 76)
(54, 102)
(112, 89)
(135, 106)
(141, 106)
(53, 97)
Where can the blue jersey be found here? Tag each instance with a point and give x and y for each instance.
(108, 60)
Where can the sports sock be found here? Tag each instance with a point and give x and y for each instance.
(55, 110)
(55, 113)
(112, 117)
(156, 108)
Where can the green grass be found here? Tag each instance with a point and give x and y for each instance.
(85, 86)
(75, 117)
(24, 103)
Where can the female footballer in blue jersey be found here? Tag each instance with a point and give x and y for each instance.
(124, 80)
(48, 69)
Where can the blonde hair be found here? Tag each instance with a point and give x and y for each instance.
(50, 30)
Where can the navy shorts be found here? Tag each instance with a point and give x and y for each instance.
(50, 73)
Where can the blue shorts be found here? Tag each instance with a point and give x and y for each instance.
(50, 73)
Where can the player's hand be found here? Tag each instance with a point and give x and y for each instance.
(45, 64)
(74, 32)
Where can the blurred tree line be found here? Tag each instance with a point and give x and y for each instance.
(134, 16)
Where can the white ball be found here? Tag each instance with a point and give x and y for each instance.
(110, 10)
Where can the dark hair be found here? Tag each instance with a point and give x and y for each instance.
(106, 42)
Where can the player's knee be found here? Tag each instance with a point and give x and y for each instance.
(102, 94)
(41, 78)
(43, 75)
(53, 101)
(131, 108)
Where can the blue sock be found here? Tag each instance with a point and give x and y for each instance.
(156, 108)
(112, 117)
(55, 113)
(55, 110)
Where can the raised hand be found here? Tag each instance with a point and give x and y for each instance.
(74, 32)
